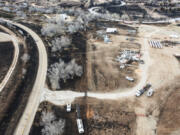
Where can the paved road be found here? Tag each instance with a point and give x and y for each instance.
(27, 118)
(15, 59)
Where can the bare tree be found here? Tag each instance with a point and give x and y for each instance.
(25, 57)
(51, 29)
(51, 125)
(59, 26)
(63, 71)
(59, 43)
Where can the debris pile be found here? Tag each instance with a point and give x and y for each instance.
(127, 57)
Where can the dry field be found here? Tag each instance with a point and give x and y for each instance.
(103, 71)
(99, 117)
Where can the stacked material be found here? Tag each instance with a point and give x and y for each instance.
(155, 44)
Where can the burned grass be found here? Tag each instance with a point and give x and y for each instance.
(99, 117)
(6, 58)
(15, 95)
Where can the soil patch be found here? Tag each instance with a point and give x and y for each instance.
(169, 121)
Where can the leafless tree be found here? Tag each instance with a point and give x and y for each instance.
(51, 29)
(25, 57)
(51, 126)
(60, 43)
(63, 71)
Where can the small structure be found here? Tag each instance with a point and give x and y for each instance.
(100, 34)
(174, 36)
(177, 55)
(132, 32)
(122, 66)
(106, 39)
(63, 17)
(111, 30)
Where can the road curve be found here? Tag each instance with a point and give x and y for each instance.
(27, 118)
(14, 62)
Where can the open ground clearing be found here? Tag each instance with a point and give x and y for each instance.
(103, 72)
(106, 98)
(169, 122)
(161, 69)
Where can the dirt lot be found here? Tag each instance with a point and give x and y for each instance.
(169, 119)
(103, 71)
(169, 122)
(99, 117)
(6, 57)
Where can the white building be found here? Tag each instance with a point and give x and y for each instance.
(111, 30)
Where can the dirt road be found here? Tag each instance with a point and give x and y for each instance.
(57, 98)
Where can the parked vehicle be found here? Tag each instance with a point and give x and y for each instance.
(80, 126)
(130, 79)
(147, 86)
(150, 92)
(68, 107)
(141, 91)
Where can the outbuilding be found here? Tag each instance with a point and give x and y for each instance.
(111, 30)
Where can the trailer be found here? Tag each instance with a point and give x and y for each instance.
(79, 120)
(80, 126)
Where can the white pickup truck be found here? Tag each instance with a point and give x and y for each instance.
(141, 91)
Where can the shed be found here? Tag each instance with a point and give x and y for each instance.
(111, 30)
